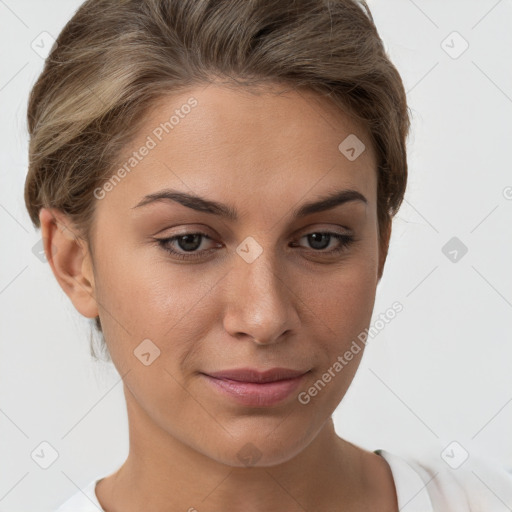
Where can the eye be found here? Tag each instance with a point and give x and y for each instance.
(320, 240)
(186, 242)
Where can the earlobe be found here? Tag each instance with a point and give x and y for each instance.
(69, 259)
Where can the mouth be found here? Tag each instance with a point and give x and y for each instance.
(257, 376)
(252, 387)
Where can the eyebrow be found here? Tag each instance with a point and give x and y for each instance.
(201, 204)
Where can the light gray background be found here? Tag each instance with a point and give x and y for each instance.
(439, 372)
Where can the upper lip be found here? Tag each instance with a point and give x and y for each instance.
(254, 375)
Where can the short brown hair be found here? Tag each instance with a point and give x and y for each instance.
(115, 59)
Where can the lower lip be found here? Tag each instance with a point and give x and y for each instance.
(256, 394)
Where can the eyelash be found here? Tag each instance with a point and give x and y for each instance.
(346, 241)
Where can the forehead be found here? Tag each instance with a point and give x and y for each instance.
(214, 140)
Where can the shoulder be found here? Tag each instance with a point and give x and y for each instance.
(431, 484)
(84, 500)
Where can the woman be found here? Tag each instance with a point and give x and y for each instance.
(215, 183)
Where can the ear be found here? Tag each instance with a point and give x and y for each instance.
(383, 248)
(69, 258)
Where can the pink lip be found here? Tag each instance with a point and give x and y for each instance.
(254, 388)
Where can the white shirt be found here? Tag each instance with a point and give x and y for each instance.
(433, 486)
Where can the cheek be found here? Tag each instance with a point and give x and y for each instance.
(345, 307)
(342, 310)
(348, 300)
(144, 296)
(343, 298)
(141, 283)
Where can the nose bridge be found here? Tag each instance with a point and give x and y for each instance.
(259, 303)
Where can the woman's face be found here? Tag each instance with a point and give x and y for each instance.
(260, 288)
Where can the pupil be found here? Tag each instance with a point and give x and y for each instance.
(314, 237)
(186, 245)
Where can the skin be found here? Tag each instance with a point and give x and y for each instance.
(294, 306)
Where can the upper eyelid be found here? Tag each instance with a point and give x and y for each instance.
(300, 232)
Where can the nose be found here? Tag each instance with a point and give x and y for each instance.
(261, 304)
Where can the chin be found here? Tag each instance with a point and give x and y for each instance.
(261, 449)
